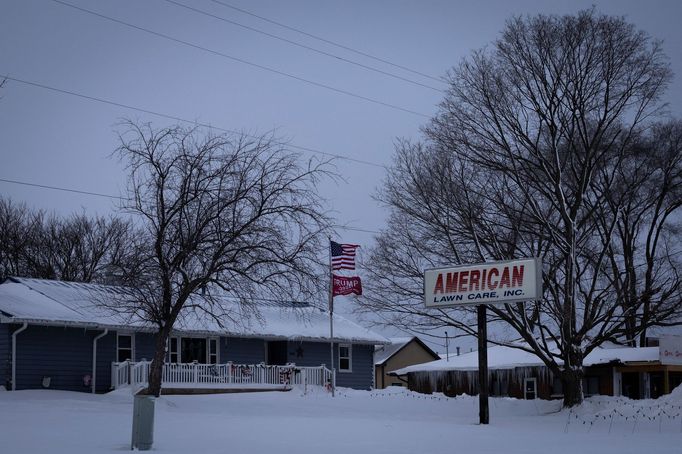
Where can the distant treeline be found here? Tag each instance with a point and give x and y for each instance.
(77, 248)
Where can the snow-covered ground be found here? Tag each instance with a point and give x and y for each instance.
(391, 421)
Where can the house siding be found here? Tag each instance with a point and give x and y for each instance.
(5, 356)
(313, 354)
(64, 355)
(106, 354)
(242, 350)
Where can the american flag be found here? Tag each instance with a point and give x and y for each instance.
(343, 256)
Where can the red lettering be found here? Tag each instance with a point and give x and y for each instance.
(438, 288)
(463, 281)
(474, 276)
(451, 283)
(492, 285)
(517, 276)
(504, 279)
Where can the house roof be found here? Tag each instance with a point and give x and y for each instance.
(504, 357)
(386, 352)
(48, 302)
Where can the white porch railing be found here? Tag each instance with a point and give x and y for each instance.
(195, 374)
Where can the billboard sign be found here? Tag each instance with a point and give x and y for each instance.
(670, 350)
(483, 283)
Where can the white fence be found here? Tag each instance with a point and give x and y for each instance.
(200, 375)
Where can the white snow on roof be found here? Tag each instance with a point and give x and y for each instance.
(504, 357)
(623, 355)
(27, 301)
(56, 302)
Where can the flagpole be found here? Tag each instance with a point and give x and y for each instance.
(331, 317)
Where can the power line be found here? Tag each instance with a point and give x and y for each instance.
(184, 120)
(116, 197)
(356, 229)
(170, 117)
(240, 60)
(303, 46)
(324, 40)
(57, 188)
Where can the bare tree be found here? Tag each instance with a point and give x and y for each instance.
(221, 216)
(644, 255)
(79, 248)
(520, 160)
(19, 227)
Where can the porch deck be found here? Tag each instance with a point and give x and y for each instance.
(227, 377)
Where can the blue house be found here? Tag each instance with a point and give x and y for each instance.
(56, 335)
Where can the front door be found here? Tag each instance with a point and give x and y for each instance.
(277, 353)
(631, 385)
(530, 387)
(193, 349)
(655, 384)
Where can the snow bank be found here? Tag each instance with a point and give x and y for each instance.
(394, 421)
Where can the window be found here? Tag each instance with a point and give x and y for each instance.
(173, 351)
(124, 347)
(345, 356)
(213, 350)
(194, 350)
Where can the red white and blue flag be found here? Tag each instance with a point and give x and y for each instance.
(343, 256)
(342, 285)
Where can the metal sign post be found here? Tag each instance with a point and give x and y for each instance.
(504, 282)
(483, 409)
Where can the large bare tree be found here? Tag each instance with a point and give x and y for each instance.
(222, 216)
(531, 139)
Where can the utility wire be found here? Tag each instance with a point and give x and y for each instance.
(333, 43)
(240, 60)
(303, 46)
(184, 120)
(57, 188)
(109, 196)
(116, 197)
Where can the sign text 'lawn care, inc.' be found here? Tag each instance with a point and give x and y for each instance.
(484, 283)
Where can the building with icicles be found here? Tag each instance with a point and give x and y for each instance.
(641, 372)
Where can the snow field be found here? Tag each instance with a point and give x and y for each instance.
(389, 421)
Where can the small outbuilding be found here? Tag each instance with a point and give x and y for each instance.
(401, 352)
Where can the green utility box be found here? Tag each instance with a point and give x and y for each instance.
(143, 422)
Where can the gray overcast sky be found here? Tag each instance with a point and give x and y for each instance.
(60, 140)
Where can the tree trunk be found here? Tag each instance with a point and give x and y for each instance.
(572, 380)
(156, 369)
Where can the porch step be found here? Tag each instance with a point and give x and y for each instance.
(191, 391)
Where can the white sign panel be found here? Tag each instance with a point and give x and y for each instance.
(484, 283)
(670, 349)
